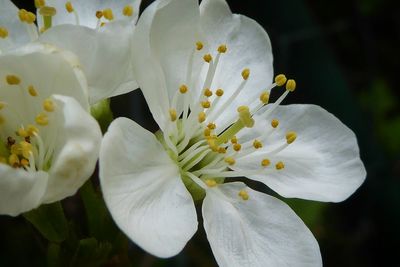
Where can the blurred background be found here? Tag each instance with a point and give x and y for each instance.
(344, 57)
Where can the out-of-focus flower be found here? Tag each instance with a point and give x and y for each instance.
(206, 76)
(48, 141)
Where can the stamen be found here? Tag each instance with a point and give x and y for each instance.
(280, 165)
(26, 16)
(32, 130)
(48, 105)
(257, 144)
(199, 46)
(202, 117)
(172, 114)
(22, 132)
(13, 80)
(245, 116)
(231, 161)
(32, 91)
(47, 13)
(243, 194)
(265, 162)
(219, 92)
(245, 74)
(99, 14)
(274, 123)
(14, 160)
(207, 58)
(42, 119)
(237, 147)
(26, 149)
(208, 92)
(127, 11)
(3, 32)
(211, 126)
(291, 137)
(108, 14)
(291, 85)
(206, 104)
(222, 49)
(222, 150)
(40, 3)
(183, 89)
(234, 140)
(210, 183)
(264, 98)
(69, 7)
(280, 80)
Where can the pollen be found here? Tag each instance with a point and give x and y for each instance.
(24, 162)
(48, 105)
(245, 74)
(234, 140)
(211, 126)
(208, 92)
(219, 92)
(172, 114)
(108, 14)
(245, 116)
(207, 58)
(127, 11)
(40, 3)
(69, 7)
(222, 150)
(32, 91)
(13, 80)
(237, 147)
(15, 149)
(183, 89)
(222, 49)
(48, 11)
(210, 183)
(264, 98)
(291, 85)
(22, 132)
(231, 161)
(265, 162)
(290, 137)
(26, 16)
(3, 32)
(206, 104)
(32, 130)
(42, 119)
(280, 79)
(280, 165)
(257, 144)
(99, 14)
(199, 46)
(26, 149)
(201, 117)
(274, 123)
(243, 194)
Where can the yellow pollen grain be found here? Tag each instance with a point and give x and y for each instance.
(48, 11)
(201, 117)
(108, 14)
(222, 49)
(234, 140)
(32, 91)
(13, 80)
(243, 194)
(211, 126)
(199, 46)
(265, 162)
(22, 132)
(291, 85)
(40, 3)
(172, 114)
(280, 79)
(24, 162)
(127, 11)
(291, 137)
(207, 58)
(208, 92)
(206, 104)
(231, 161)
(69, 7)
(42, 119)
(3, 32)
(32, 130)
(274, 123)
(237, 147)
(222, 150)
(257, 144)
(99, 14)
(210, 183)
(183, 89)
(280, 165)
(245, 74)
(13, 160)
(264, 98)
(219, 92)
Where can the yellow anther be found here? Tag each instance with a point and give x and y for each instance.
(13, 80)
(32, 91)
(172, 114)
(48, 105)
(222, 150)
(219, 92)
(237, 147)
(210, 183)
(183, 89)
(234, 140)
(22, 132)
(211, 126)
(207, 132)
(40, 3)
(243, 194)
(108, 14)
(231, 161)
(208, 92)
(32, 130)
(222, 49)
(245, 116)
(127, 11)
(274, 123)
(280, 165)
(26, 149)
(26, 16)
(243, 109)
(69, 7)
(199, 46)
(265, 162)
(201, 117)
(3, 32)
(24, 162)
(207, 58)
(290, 137)
(42, 119)
(280, 79)
(291, 85)
(2, 105)
(245, 74)
(13, 160)
(264, 98)
(257, 144)
(15, 149)
(206, 104)
(99, 14)
(48, 11)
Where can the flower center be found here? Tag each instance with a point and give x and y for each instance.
(205, 151)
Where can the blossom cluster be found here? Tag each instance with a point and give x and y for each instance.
(206, 75)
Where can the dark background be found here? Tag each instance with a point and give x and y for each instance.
(344, 57)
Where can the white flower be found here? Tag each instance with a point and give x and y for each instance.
(48, 141)
(98, 32)
(206, 76)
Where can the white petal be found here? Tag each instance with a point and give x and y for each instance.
(322, 164)
(20, 191)
(17, 30)
(104, 55)
(248, 47)
(77, 150)
(143, 190)
(259, 232)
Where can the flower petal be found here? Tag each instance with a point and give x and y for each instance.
(322, 164)
(259, 232)
(76, 151)
(20, 191)
(143, 190)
